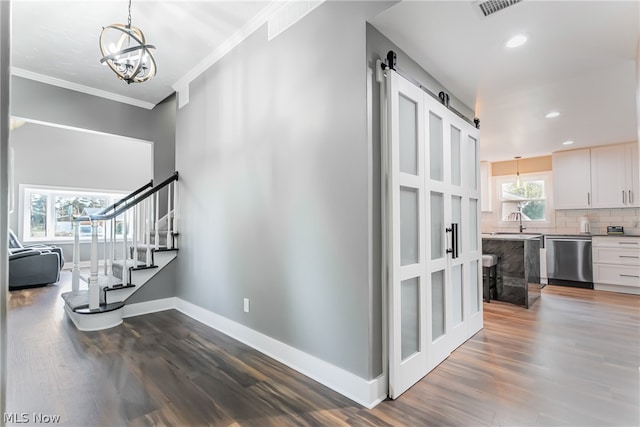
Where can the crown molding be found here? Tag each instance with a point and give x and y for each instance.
(182, 85)
(80, 88)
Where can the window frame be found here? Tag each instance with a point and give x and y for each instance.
(549, 210)
(24, 215)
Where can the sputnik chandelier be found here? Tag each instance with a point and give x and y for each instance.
(125, 51)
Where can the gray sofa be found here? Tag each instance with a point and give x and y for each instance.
(14, 243)
(32, 267)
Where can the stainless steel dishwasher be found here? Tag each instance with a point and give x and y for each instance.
(569, 261)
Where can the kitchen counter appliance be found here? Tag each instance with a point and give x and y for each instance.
(569, 261)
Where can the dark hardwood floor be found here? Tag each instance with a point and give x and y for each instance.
(572, 359)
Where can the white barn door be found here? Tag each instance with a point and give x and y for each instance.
(432, 232)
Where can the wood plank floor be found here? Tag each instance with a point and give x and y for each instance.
(573, 359)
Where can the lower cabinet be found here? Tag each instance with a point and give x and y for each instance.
(616, 264)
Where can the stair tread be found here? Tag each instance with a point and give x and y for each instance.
(75, 299)
(103, 280)
(128, 263)
(117, 287)
(104, 308)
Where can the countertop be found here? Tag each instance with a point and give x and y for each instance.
(527, 236)
(514, 236)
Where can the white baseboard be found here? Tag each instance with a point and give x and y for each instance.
(616, 288)
(367, 393)
(140, 308)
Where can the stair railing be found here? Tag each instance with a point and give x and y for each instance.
(139, 214)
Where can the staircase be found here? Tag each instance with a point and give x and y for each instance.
(137, 243)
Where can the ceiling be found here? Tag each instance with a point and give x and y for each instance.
(59, 39)
(579, 60)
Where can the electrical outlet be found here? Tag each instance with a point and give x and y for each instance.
(246, 305)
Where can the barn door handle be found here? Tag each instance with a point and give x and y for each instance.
(453, 250)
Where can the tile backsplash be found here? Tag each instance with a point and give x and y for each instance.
(568, 221)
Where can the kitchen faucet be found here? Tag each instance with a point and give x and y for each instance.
(522, 227)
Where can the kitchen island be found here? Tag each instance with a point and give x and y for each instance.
(518, 270)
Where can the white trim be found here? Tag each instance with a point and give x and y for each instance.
(545, 176)
(80, 88)
(24, 209)
(616, 288)
(85, 130)
(148, 307)
(288, 15)
(95, 322)
(182, 85)
(367, 393)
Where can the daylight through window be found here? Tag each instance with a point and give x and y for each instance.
(49, 213)
(528, 200)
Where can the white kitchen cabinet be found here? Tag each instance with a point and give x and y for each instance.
(633, 174)
(572, 179)
(485, 187)
(601, 177)
(614, 172)
(616, 264)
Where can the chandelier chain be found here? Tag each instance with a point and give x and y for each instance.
(129, 19)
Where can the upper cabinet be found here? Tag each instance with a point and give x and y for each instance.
(572, 179)
(602, 177)
(612, 176)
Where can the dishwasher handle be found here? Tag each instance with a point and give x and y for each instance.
(567, 239)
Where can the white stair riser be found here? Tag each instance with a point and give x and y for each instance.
(95, 322)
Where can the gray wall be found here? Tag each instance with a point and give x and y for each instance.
(50, 104)
(58, 157)
(274, 162)
(163, 285)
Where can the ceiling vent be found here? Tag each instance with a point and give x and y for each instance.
(489, 7)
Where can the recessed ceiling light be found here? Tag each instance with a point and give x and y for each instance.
(567, 143)
(516, 41)
(552, 114)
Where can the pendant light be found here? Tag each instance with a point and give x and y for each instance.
(125, 51)
(518, 180)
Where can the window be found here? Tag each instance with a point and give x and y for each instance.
(48, 212)
(529, 200)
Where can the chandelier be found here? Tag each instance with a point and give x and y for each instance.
(125, 51)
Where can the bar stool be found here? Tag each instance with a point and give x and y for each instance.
(489, 275)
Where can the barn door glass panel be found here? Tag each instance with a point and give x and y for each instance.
(473, 224)
(437, 225)
(409, 230)
(472, 163)
(436, 148)
(437, 304)
(475, 284)
(455, 156)
(457, 286)
(408, 136)
(410, 296)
